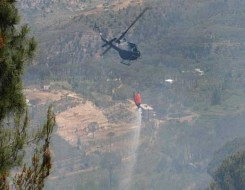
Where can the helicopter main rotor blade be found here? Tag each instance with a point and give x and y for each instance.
(104, 52)
(109, 42)
(124, 33)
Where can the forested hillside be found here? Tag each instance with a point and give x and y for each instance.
(174, 38)
(198, 44)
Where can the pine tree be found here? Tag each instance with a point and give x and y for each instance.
(16, 49)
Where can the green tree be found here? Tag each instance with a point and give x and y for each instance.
(11, 154)
(231, 174)
(110, 135)
(216, 97)
(16, 49)
(33, 177)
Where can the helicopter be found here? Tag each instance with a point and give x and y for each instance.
(127, 51)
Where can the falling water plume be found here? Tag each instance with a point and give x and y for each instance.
(126, 180)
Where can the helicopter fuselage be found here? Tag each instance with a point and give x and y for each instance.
(128, 51)
(127, 55)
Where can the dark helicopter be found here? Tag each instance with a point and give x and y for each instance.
(127, 51)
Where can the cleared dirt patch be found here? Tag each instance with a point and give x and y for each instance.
(74, 122)
(85, 121)
(42, 97)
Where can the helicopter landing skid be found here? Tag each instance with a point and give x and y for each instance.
(128, 63)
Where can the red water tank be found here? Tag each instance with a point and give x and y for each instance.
(137, 98)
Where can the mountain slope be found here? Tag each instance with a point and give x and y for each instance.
(198, 44)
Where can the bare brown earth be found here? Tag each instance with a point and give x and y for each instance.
(42, 97)
(74, 121)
